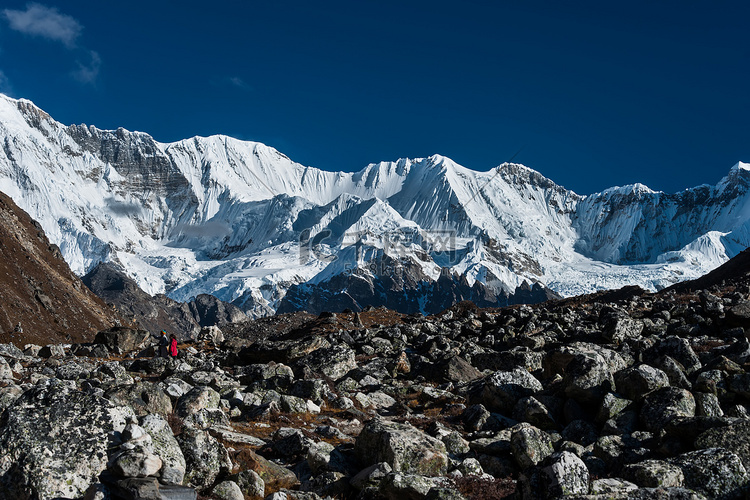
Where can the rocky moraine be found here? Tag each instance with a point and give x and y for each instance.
(623, 394)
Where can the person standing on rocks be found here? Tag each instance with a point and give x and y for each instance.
(172, 345)
(163, 345)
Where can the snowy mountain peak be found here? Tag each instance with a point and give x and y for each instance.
(242, 221)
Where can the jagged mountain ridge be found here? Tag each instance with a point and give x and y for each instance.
(243, 222)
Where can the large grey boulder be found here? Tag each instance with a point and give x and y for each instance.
(144, 397)
(54, 441)
(250, 483)
(142, 488)
(566, 475)
(136, 456)
(556, 361)
(588, 378)
(503, 389)
(8, 395)
(121, 339)
(6, 373)
(198, 398)
(735, 437)
(619, 327)
(663, 405)
(635, 382)
(677, 348)
(227, 490)
(205, 458)
(166, 447)
(454, 369)
(333, 362)
(405, 448)
(276, 376)
(654, 474)
(397, 486)
(716, 472)
(530, 445)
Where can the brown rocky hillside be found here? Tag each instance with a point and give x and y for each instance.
(38, 290)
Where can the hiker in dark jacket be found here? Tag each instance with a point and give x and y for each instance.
(163, 345)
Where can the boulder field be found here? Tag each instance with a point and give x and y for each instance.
(619, 395)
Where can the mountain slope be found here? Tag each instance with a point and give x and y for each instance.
(243, 222)
(42, 300)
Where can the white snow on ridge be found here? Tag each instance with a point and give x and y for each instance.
(244, 222)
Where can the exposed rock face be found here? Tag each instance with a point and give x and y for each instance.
(400, 284)
(43, 301)
(160, 312)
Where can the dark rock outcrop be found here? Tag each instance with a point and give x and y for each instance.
(159, 312)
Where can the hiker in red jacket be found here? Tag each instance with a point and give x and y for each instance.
(173, 346)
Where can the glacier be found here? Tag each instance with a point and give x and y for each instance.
(243, 222)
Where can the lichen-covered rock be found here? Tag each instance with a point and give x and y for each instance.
(715, 472)
(707, 405)
(250, 483)
(8, 395)
(405, 448)
(734, 437)
(166, 447)
(664, 493)
(397, 486)
(674, 370)
(611, 406)
(566, 475)
(530, 445)
(276, 376)
(205, 458)
(333, 362)
(198, 398)
(454, 369)
(54, 441)
(533, 411)
(274, 476)
(611, 487)
(620, 327)
(679, 349)
(211, 334)
(142, 488)
(662, 405)
(227, 490)
(136, 463)
(503, 389)
(121, 339)
(145, 398)
(290, 442)
(653, 474)
(206, 418)
(637, 381)
(292, 404)
(556, 361)
(588, 378)
(5, 371)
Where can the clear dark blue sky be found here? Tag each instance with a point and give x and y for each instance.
(596, 93)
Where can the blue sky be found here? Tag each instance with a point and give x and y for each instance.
(593, 94)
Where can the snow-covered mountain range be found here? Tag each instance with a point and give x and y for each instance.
(243, 222)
